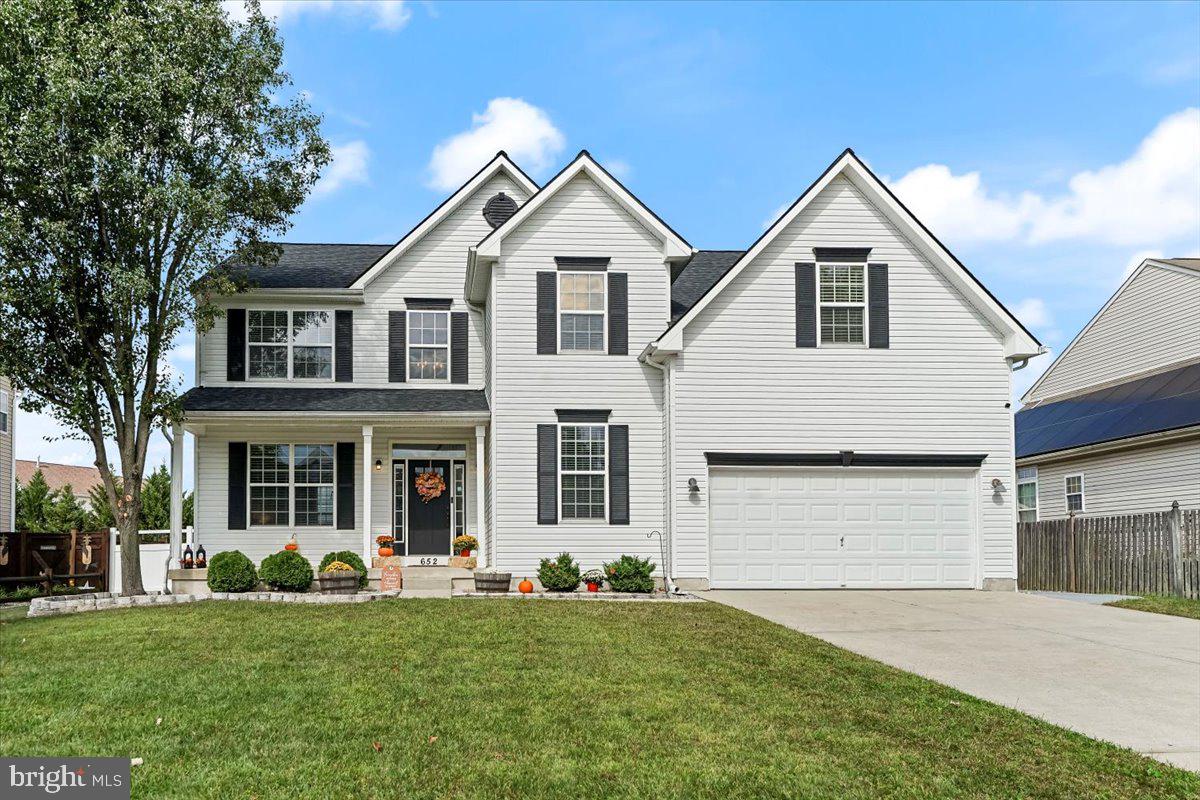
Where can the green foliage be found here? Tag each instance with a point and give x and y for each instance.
(19, 594)
(100, 513)
(560, 574)
(630, 574)
(156, 503)
(286, 570)
(231, 571)
(347, 557)
(143, 144)
(464, 542)
(40, 509)
(593, 576)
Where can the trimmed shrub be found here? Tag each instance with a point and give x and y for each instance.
(630, 574)
(559, 575)
(286, 570)
(347, 557)
(231, 571)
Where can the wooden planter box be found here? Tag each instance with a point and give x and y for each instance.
(492, 581)
(338, 582)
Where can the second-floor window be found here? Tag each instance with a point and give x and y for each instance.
(4, 402)
(1027, 494)
(843, 304)
(290, 344)
(581, 302)
(428, 345)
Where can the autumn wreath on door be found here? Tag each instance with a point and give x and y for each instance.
(430, 485)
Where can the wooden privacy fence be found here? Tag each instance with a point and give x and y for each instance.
(1157, 553)
(46, 559)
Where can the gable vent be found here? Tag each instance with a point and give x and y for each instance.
(497, 210)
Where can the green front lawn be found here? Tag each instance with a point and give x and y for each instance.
(1158, 604)
(522, 699)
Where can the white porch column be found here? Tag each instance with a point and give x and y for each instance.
(176, 491)
(480, 534)
(368, 438)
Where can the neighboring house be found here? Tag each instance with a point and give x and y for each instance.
(80, 479)
(828, 408)
(1113, 426)
(8, 484)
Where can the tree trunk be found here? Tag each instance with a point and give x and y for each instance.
(131, 564)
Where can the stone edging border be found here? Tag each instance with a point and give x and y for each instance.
(101, 601)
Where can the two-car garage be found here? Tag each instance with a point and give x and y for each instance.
(796, 527)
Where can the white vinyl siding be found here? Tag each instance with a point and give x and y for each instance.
(434, 267)
(1153, 323)
(579, 220)
(1133, 481)
(941, 387)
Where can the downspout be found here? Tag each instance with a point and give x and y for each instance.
(669, 495)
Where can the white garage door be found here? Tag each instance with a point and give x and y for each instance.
(785, 528)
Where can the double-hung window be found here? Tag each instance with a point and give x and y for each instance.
(291, 485)
(5, 400)
(843, 303)
(1074, 486)
(428, 345)
(581, 303)
(583, 475)
(290, 344)
(1027, 494)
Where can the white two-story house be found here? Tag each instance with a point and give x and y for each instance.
(828, 408)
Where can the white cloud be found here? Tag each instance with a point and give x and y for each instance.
(349, 165)
(1033, 312)
(1135, 261)
(776, 214)
(524, 131)
(1151, 197)
(619, 167)
(389, 15)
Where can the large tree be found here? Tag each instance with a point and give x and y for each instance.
(142, 142)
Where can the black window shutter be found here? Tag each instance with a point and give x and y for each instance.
(547, 310)
(397, 339)
(547, 474)
(235, 344)
(459, 348)
(345, 486)
(877, 305)
(237, 486)
(343, 358)
(618, 314)
(806, 305)
(618, 474)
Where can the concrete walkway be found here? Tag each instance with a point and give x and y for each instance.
(1129, 677)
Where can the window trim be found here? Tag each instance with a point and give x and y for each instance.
(559, 311)
(1082, 493)
(562, 519)
(291, 345)
(5, 406)
(291, 484)
(1024, 482)
(408, 344)
(865, 305)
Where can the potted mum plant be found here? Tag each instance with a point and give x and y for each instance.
(463, 545)
(338, 577)
(385, 545)
(594, 578)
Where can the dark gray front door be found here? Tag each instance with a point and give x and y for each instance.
(428, 522)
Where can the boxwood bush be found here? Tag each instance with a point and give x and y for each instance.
(346, 557)
(286, 570)
(559, 575)
(231, 571)
(630, 574)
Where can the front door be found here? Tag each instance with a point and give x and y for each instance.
(428, 518)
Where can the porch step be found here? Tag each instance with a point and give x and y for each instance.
(431, 579)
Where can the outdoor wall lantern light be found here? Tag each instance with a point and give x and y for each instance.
(997, 486)
(379, 465)
(693, 486)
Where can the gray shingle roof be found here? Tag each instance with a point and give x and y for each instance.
(1157, 403)
(305, 398)
(314, 266)
(698, 275)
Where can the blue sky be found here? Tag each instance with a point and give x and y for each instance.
(1049, 146)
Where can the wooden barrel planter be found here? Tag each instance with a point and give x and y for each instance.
(338, 582)
(492, 581)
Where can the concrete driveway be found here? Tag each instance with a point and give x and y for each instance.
(1125, 676)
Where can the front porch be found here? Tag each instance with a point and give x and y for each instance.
(335, 484)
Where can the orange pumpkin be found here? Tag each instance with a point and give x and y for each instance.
(384, 552)
(526, 586)
(291, 544)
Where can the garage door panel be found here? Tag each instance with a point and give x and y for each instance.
(781, 528)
